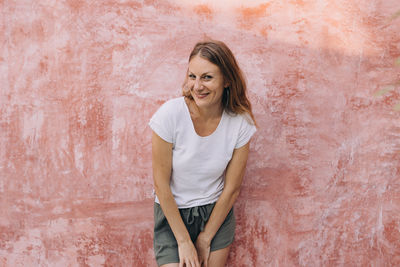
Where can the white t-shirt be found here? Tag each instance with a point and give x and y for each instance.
(198, 163)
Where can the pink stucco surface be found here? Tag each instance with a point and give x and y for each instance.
(79, 81)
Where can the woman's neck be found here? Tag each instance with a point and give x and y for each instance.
(209, 113)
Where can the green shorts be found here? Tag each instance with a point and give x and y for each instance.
(165, 245)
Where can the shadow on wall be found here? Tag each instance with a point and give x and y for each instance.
(321, 187)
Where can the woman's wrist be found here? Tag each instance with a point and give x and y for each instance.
(183, 240)
(205, 237)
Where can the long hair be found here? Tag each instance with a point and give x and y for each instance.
(234, 98)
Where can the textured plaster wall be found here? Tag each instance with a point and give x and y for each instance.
(80, 79)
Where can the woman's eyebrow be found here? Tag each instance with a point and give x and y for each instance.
(205, 73)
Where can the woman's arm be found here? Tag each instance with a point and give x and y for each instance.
(233, 180)
(162, 167)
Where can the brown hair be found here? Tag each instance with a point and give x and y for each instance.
(234, 97)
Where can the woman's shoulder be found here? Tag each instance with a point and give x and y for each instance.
(172, 105)
(239, 118)
(164, 120)
(173, 102)
(242, 126)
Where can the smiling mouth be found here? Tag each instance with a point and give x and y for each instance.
(203, 95)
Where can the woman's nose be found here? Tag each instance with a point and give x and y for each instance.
(197, 84)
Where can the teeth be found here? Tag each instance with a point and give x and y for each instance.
(202, 95)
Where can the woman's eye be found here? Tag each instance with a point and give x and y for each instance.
(207, 77)
(191, 76)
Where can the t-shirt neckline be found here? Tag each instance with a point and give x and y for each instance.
(192, 125)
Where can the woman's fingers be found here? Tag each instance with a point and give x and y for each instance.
(200, 261)
(189, 263)
(196, 263)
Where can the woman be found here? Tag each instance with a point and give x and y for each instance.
(200, 147)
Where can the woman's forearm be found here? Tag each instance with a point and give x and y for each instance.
(219, 213)
(233, 180)
(162, 167)
(171, 212)
(186, 249)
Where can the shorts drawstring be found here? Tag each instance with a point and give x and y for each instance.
(200, 211)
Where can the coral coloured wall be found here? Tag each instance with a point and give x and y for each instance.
(80, 79)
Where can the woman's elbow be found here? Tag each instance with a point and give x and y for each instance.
(232, 193)
(161, 189)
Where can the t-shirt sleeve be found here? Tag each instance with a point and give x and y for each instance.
(246, 131)
(162, 122)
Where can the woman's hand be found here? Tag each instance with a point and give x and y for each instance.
(203, 249)
(188, 255)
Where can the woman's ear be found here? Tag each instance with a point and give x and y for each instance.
(226, 84)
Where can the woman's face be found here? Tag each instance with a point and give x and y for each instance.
(205, 82)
